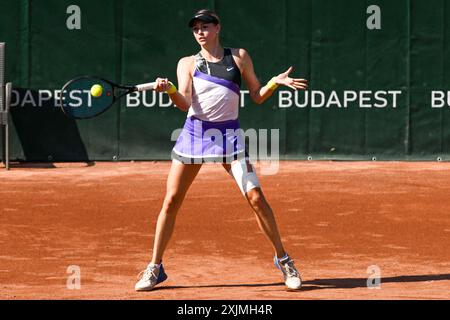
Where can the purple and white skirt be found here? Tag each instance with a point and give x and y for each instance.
(203, 141)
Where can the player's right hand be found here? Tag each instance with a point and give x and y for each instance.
(162, 84)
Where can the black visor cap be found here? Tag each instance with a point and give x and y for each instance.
(206, 18)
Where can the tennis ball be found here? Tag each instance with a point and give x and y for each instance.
(96, 90)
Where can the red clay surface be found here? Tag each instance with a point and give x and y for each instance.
(336, 220)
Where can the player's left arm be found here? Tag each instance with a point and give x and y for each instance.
(260, 93)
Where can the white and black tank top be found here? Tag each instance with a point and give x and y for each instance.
(216, 89)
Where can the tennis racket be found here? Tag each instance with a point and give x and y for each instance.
(77, 102)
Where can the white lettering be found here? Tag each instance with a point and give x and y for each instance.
(374, 280)
(379, 96)
(437, 99)
(132, 100)
(374, 21)
(74, 280)
(73, 22)
(349, 96)
(285, 99)
(28, 99)
(333, 99)
(394, 97)
(314, 103)
(243, 95)
(152, 102)
(162, 103)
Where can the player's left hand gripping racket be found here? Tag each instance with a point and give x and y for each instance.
(77, 101)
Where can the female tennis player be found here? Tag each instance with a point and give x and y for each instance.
(209, 90)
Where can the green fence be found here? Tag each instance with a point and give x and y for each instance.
(374, 92)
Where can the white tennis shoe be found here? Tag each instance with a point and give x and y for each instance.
(291, 276)
(150, 277)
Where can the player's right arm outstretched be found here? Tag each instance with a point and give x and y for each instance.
(181, 97)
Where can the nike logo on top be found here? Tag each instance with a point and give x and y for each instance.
(229, 69)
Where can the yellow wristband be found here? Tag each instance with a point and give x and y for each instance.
(272, 85)
(172, 89)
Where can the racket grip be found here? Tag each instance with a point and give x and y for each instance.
(146, 86)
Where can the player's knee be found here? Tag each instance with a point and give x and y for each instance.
(255, 198)
(245, 176)
(172, 201)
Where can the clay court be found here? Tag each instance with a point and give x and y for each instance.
(336, 220)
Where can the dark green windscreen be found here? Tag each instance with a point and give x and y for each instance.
(374, 92)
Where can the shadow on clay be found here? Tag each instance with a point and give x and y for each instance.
(352, 283)
(320, 284)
